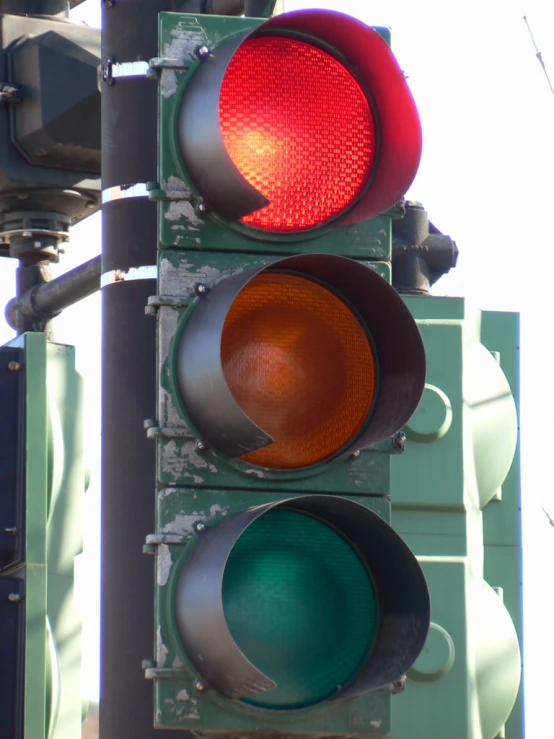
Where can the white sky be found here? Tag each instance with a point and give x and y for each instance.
(486, 179)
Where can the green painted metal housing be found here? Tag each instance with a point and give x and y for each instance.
(199, 489)
(181, 223)
(53, 475)
(456, 502)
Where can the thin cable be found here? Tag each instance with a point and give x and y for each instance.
(539, 55)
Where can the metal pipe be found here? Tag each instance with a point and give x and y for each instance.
(44, 301)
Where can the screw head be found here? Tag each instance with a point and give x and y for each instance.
(399, 440)
(203, 52)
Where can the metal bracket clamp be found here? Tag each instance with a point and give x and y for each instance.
(146, 272)
(121, 192)
(9, 94)
(113, 70)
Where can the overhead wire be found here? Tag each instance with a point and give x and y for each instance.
(539, 55)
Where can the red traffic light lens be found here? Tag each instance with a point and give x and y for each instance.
(299, 128)
(299, 363)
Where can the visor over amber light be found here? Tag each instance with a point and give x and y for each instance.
(293, 363)
(303, 121)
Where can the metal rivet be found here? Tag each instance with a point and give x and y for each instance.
(202, 208)
(200, 686)
(15, 366)
(201, 289)
(199, 527)
(355, 454)
(399, 440)
(201, 445)
(14, 598)
(203, 52)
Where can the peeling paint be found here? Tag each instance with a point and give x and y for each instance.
(169, 322)
(182, 695)
(177, 663)
(164, 564)
(183, 524)
(180, 281)
(169, 415)
(175, 188)
(161, 649)
(215, 509)
(168, 83)
(185, 42)
(178, 209)
(376, 724)
(257, 473)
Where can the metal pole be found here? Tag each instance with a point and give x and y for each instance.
(129, 104)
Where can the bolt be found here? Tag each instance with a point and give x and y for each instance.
(201, 289)
(201, 445)
(203, 52)
(399, 685)
(14, 598)
(399, 440)
(200, 686)
(200, 527)
(15, 366)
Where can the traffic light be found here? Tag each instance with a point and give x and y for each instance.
(42, 480)
(285, 603)
(49, 124)
(456, 502)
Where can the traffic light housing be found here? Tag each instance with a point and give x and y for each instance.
(222, 76)
(49, 122)
(43, 481)
(284, 600)
(456, 502)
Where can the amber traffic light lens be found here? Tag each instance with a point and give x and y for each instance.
(299, 363)
(299, 128)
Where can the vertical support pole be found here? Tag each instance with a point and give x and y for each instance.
(129, 120)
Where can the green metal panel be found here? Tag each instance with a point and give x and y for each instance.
(181, 224)
(198, 486)
(178, 704)
(456, 501)
(54, 486)
(179, 461)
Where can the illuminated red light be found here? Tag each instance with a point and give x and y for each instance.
(299, 128)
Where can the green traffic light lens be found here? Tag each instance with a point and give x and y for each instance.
(301, 606)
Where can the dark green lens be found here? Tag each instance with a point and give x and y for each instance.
(300, 605)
